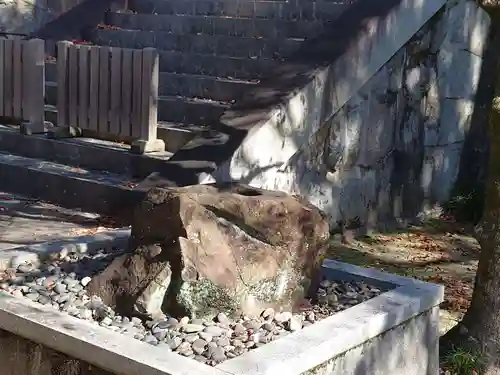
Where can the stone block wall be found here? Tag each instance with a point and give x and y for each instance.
(395, 147)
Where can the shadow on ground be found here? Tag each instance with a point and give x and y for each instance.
(438, 251)
(25, 221)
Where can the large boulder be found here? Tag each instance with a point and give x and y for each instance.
(205, 249)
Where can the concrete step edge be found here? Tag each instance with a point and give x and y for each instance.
(66, 186)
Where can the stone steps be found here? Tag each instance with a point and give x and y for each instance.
(211, 51)
(185, 85)
(109, 157)
(222, 45)
(199, 64)
(278, 10)
(70, 187)
(217, 25)
(176, 110)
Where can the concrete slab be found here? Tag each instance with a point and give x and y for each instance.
(27, 222)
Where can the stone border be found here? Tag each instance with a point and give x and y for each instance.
(312, 346)
(35, 253)
(291, 355)
(91, 343)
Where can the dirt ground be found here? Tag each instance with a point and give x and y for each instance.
(439, 251)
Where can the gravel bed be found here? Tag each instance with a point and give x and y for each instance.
(61, 283)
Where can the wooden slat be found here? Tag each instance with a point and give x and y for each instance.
(115, 90)
(62, 83)
(83, 86)
(34, 84)
(104, 77)
(94, 89)
(126, 95)
(2, 72)
(26, 66)
(149, 110)
(135, 116)
(73, 85)
(8, 69)
(17, 78)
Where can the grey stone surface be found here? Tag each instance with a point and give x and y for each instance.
(185, 85)
(395, 331)
(71, 187)
(37, 253)
(196, 64)
(381, 153)
(308, 11)
(385, 327)
(242, 27)
(79, 343)
(224, 45)
(27, 222)
(383, 355)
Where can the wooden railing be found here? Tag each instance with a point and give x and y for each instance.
(22, 82)
(109, 90)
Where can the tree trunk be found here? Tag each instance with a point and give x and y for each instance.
(480, 328)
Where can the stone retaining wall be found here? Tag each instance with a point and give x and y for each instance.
(395, 145)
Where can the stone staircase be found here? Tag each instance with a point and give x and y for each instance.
(250, 90)
(211, 52)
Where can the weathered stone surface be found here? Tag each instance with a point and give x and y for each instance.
(201, 250)
(395, 147)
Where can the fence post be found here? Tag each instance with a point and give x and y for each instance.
(34, 86)
(148, 141)
(62, 83)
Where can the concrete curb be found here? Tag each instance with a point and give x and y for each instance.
(33, 254)
(327, 339)
(298, 353)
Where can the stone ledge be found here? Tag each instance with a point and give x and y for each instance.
(295, 354)
(92, 343)
(82, 244)
(87, 153)
(315, 345)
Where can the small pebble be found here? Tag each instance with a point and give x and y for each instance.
(214, 331)
(85, 281)
(283, 317)
(268, 314)
(191, 328)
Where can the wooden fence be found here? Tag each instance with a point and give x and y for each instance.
(109, 90)
(22, 81)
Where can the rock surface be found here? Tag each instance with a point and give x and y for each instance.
(206, 249)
